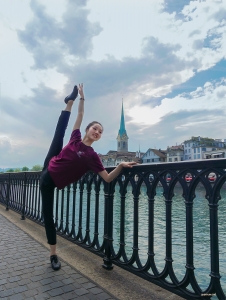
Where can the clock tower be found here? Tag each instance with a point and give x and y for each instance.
(122, 138)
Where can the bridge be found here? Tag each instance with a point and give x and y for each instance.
(78, 220)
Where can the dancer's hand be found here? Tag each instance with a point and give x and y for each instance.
(113, 174)
(80, 90)
(128, 164)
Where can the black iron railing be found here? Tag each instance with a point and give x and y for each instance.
(85, 213)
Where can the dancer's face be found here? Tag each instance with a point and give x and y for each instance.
(94, 132)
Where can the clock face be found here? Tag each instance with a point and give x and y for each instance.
(124, 137)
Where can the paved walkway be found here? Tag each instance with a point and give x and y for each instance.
(25, 271)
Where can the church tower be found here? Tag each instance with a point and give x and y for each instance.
(122, 138)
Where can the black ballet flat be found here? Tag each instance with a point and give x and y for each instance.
(73, 95)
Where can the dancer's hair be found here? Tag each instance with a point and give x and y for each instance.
(92, 123)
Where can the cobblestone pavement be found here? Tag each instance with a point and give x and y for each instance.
(25, 271)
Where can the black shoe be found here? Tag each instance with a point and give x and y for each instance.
(73, 95)
(56, 265)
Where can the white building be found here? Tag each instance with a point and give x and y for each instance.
(175, 153)
(154, 156)
(203, 148)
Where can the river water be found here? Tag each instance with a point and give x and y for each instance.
(201, 227)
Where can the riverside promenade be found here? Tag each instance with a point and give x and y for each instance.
(25, 271)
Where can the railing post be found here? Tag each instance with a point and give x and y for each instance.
(96, 224)
(61, 228)
(87, 236)
(214, 244)
(108, 224)
(72, 233)
(168, 258)
(189, 236)
(24, 196)
(66, 230)
(8, 192)
(81, 188)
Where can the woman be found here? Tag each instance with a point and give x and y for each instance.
(67, 165)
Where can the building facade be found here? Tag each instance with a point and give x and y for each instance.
(175, 153)
(153, 156)
(204, 148)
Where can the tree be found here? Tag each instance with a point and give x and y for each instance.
(36, 168)
(24, 169)
(17, 170)
(10, 170)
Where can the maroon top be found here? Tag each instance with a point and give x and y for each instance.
(74, 160)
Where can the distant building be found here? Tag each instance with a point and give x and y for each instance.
(113, 158)
(204, 148)
(175, 153)
(154, 156)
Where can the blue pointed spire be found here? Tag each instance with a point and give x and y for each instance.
(122, 129)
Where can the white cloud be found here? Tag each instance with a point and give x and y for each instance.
(118, 49)
(207, 97)
(125, 23)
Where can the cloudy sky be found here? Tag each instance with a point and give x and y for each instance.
(165, 58)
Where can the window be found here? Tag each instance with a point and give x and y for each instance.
(198, 156)
(194, 150)
(186, 151)
(175, 159)
(170, 159)
(204, 149)
(198, 150)
(189, 150)
(119, 144)
(195, 156)
(148, 160)
(189, 145)
(152, 160)
(124, 145)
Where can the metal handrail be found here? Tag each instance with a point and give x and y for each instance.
(22, 194)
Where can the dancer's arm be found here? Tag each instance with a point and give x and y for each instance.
(79, 118)
(108, 177)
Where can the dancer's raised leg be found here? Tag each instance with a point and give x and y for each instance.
(47, 185)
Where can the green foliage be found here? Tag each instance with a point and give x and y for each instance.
(36, 168)
(17, 170)
(24, 169)
(10, 170)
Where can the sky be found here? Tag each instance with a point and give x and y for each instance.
(165, 58)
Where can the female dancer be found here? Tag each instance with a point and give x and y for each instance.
(63, 166)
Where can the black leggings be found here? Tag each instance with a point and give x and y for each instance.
(47, 185)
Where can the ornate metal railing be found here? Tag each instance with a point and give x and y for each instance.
(85, 213)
